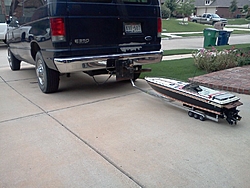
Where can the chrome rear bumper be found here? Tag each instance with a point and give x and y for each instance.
(87, 63)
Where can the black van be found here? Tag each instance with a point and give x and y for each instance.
(113, 37)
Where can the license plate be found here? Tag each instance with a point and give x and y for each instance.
(132, 28)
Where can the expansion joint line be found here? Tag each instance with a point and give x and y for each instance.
(82, 140)
(99, 153)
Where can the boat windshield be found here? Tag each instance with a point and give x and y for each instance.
(193, 88)
(223, 97)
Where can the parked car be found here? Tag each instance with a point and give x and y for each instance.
(3, 28)
(208, 18)
(92, 36)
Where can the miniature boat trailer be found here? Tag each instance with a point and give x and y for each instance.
(200, 102)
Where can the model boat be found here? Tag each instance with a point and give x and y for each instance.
(201, 101)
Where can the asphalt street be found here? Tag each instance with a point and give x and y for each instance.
(113, 135)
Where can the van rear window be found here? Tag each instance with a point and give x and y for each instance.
(110, 1)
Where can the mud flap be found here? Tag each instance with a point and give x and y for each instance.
(124, 70)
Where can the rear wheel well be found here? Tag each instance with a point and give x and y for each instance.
(34, 49)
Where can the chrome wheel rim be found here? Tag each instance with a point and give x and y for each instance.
(40, 72)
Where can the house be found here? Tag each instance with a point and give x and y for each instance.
(220, 7)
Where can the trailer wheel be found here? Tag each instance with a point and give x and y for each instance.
(202, 118)
(196, 116)
(191, 114)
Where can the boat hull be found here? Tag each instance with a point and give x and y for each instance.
(176, 95)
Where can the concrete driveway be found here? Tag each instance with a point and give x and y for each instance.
(112, 135)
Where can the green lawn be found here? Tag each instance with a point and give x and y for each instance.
(183, 69)
(227, 47)
(180, 69)
(172, 25)
(238, 21)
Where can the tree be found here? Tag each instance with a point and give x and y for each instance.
(245, 9)
(233, 7)
(165, 12)
(185, 8)
(171, 4)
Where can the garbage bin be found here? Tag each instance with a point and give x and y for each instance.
(228, 36)
(223, 37)
(210, 37)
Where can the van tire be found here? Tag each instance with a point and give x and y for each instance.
(14, 63)
(48, 79)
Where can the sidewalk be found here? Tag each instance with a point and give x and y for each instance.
(233, 80)
(173, 57)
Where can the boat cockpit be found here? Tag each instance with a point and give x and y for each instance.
(193, 88)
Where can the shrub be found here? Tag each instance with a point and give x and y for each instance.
(165, 12)
(243, 57)
(214, 60)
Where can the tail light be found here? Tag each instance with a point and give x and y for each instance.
(159, 27)
(58, 33)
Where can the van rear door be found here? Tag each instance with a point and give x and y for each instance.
(96, 27)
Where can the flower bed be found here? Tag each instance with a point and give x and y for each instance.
(214, 60)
